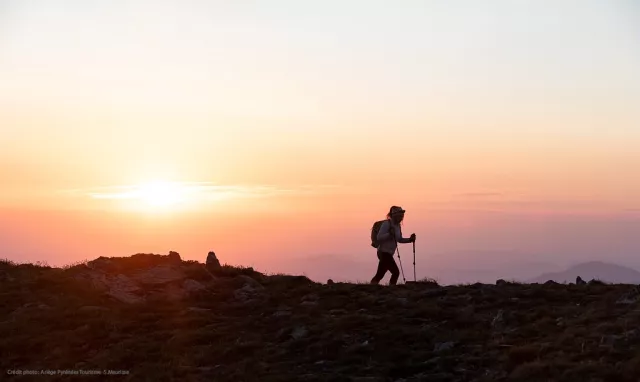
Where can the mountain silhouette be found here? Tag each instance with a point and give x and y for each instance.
(607, 272)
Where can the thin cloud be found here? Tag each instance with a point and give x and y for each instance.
(205, 190)
(476, 195)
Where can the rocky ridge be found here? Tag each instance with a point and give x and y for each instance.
(162, 318)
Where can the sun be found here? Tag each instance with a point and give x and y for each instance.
(161, 194)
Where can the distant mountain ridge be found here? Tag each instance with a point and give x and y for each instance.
(607, 272)
(448, 268)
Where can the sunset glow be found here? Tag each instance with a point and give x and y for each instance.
(153, 194)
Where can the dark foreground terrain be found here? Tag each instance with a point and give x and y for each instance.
(157, 318)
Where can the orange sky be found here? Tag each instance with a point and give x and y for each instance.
(285, 135)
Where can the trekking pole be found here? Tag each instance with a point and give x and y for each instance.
(414, 260)
(400, 260)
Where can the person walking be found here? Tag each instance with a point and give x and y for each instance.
(387, 238)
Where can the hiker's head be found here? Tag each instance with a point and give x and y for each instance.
(396, 214)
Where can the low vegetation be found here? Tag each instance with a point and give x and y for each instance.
(292, 329)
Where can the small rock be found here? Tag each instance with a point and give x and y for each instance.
(330, 282)
(311, 297)
(91, 308)
(282, 313)
(633, 333)
(443, 346)
(580, 281)
(550, 282)
(434, 293)
(245, 294)
(610, 340)
(252, 283)
(498, 319)
(283, 334)
(192, 286)
(212, 264)
(501, 282)
(299, 332)
(626, 301)
(198, 310)
(630, 297)
(432, 361)
(250, 291)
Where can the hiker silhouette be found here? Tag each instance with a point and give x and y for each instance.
(385, 236)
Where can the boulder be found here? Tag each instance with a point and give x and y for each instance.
(246, 280)
(252, 290)
(164, 281)
(124, 289)
(213, 264)
(161, 274)
(174, 257)
(192, 286)
(98, 281)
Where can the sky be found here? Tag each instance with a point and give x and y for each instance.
(276, 132)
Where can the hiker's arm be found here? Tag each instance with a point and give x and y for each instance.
(403, 240)
(383, 233)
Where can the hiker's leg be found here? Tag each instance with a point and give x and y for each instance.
(395, 272)
(382, 269)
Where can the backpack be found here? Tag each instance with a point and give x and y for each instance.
(374, 233)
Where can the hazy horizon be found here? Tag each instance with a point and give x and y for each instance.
(271, 132)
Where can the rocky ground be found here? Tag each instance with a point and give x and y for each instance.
(158, 318)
